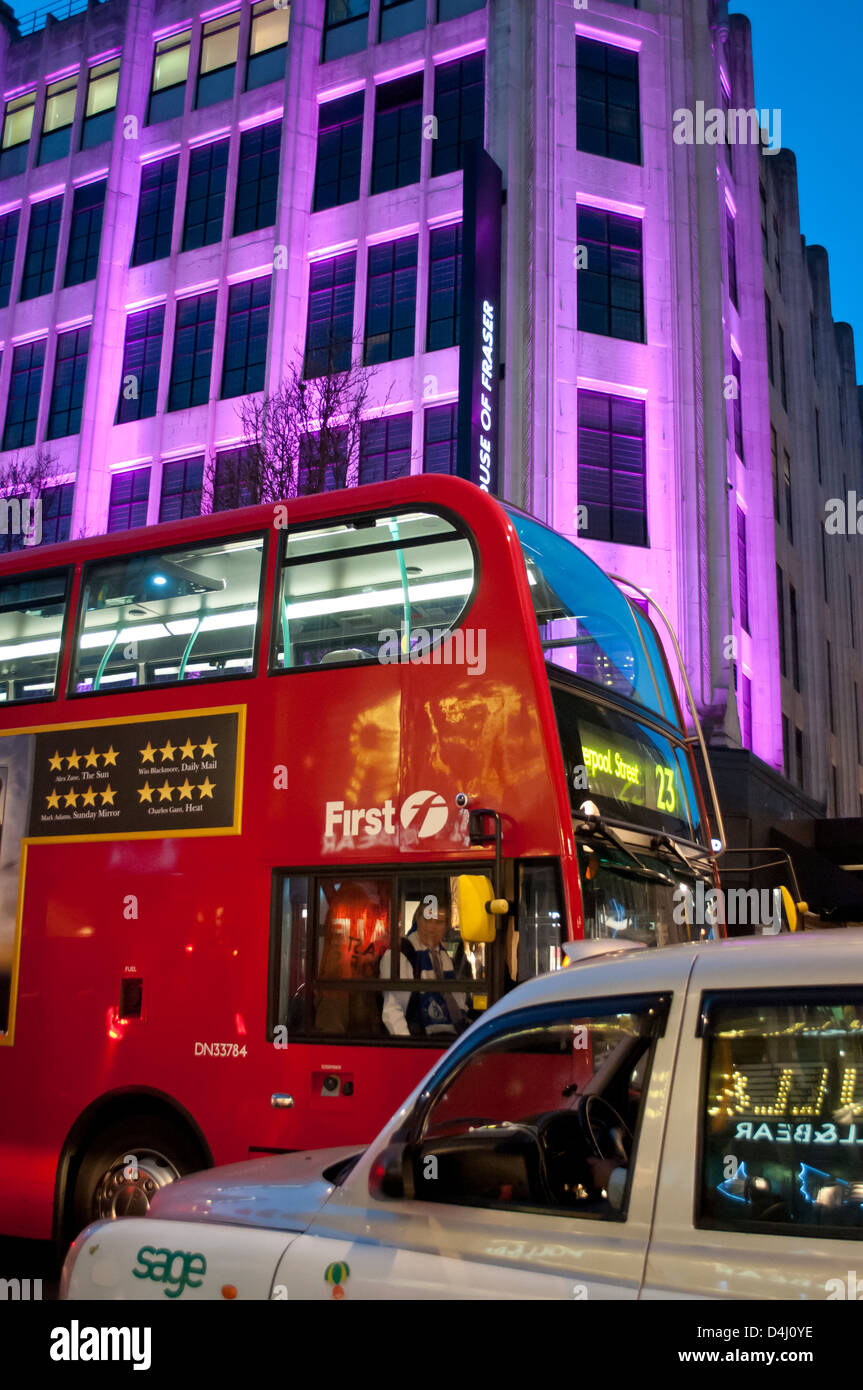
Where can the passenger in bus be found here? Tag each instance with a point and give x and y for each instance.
(422, 1013)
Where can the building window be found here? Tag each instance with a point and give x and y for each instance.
(85, 233)
(70, 372)
(780, 610)
(102, 83)
(60, 98)
(610, 299)
(783, 379)
(768, 323)
(41, 256)
(789, 508)
(818, 441)
(795, 636)
(205, 197)
(732, 256)
(398, 133)
(612, 468)
(454, 9)
(324, 467)
(737, 405)
(400, 17)
(218, 61)
(830, 706)
(182, 484)
(233, 480)
(777, 259)
(444, 309)
(268, 43)
(774, 469)
(128, 504)
(8, 242)
(340, 141)
(385, 448)
(156, 211)
(798, 754)
(391, 301)
(746, 701)
(607, 112)
(459, 108)
(17, 127)
(246, 340)
(346, 27)
(28, 363)
(329, 334)
(57, 513)
(142, 356)
(743, 569)
(193, 352)
(258, 178)
(170, 70)
(440, 438)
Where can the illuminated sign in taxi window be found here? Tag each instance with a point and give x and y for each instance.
(782, 1118)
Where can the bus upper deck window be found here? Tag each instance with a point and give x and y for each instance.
(168, 616)
(377, 589)
(32, 610)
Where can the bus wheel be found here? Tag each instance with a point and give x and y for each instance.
(126, 1165)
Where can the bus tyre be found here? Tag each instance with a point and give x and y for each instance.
(125, 1166)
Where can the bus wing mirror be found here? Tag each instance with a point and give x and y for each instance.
(476, 907)
(793, 910)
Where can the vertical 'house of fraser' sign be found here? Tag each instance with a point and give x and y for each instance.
(479, 328)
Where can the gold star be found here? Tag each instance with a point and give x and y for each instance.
(168, 752)
(165, 791)
(89, 797)
(56, 763)
(206, 788)
(92, 759)
(73, 758)
(208, 749)
(188, 749)
(110, 757)
(148, 753)
(185, 791)
(53, 800)
(146, 792)
(108, 797)
(70, 798)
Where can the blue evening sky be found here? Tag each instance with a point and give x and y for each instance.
(807, 63)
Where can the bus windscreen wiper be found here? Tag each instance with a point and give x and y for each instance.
(597, 826)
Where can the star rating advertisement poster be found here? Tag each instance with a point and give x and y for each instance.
(158, 776)
(177, 774)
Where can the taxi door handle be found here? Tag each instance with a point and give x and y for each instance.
(280, 1101)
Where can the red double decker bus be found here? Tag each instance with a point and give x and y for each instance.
(286, 806)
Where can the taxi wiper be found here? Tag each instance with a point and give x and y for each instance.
(595, 825)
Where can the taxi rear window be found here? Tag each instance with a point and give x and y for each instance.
(782, 1114)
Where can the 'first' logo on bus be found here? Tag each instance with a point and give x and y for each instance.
(424, 812)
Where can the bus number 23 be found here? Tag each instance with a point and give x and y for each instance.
(665, 798)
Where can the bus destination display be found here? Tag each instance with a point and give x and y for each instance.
(624, 771)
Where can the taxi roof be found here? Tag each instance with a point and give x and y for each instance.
(833, 956)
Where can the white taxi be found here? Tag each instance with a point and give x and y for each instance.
(676, 1123)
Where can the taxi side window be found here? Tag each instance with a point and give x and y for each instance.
(543, 1115)
(782, 1114)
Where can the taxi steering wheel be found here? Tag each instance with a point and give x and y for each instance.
(606, 1133)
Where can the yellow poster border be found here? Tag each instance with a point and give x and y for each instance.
(7, 1039)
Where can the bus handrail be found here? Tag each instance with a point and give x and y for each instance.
(719, 823)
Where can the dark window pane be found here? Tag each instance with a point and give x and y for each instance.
(346, 27)
(340, 136)
(70, 372)
(440, 438)
(258, 178)
(610, 295)
(182, 482)
(611, 468)
(41, 256)
(8, 242)
(398, 133)
(444, 307)
(129, 494)
(85, 233)
(156, 211)
(193, 352)
(459, 106)
(246, 338)
(391, 304)
(142, 355)
(28, 362)
(329, 333)
(205, 197)
(385, 449)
